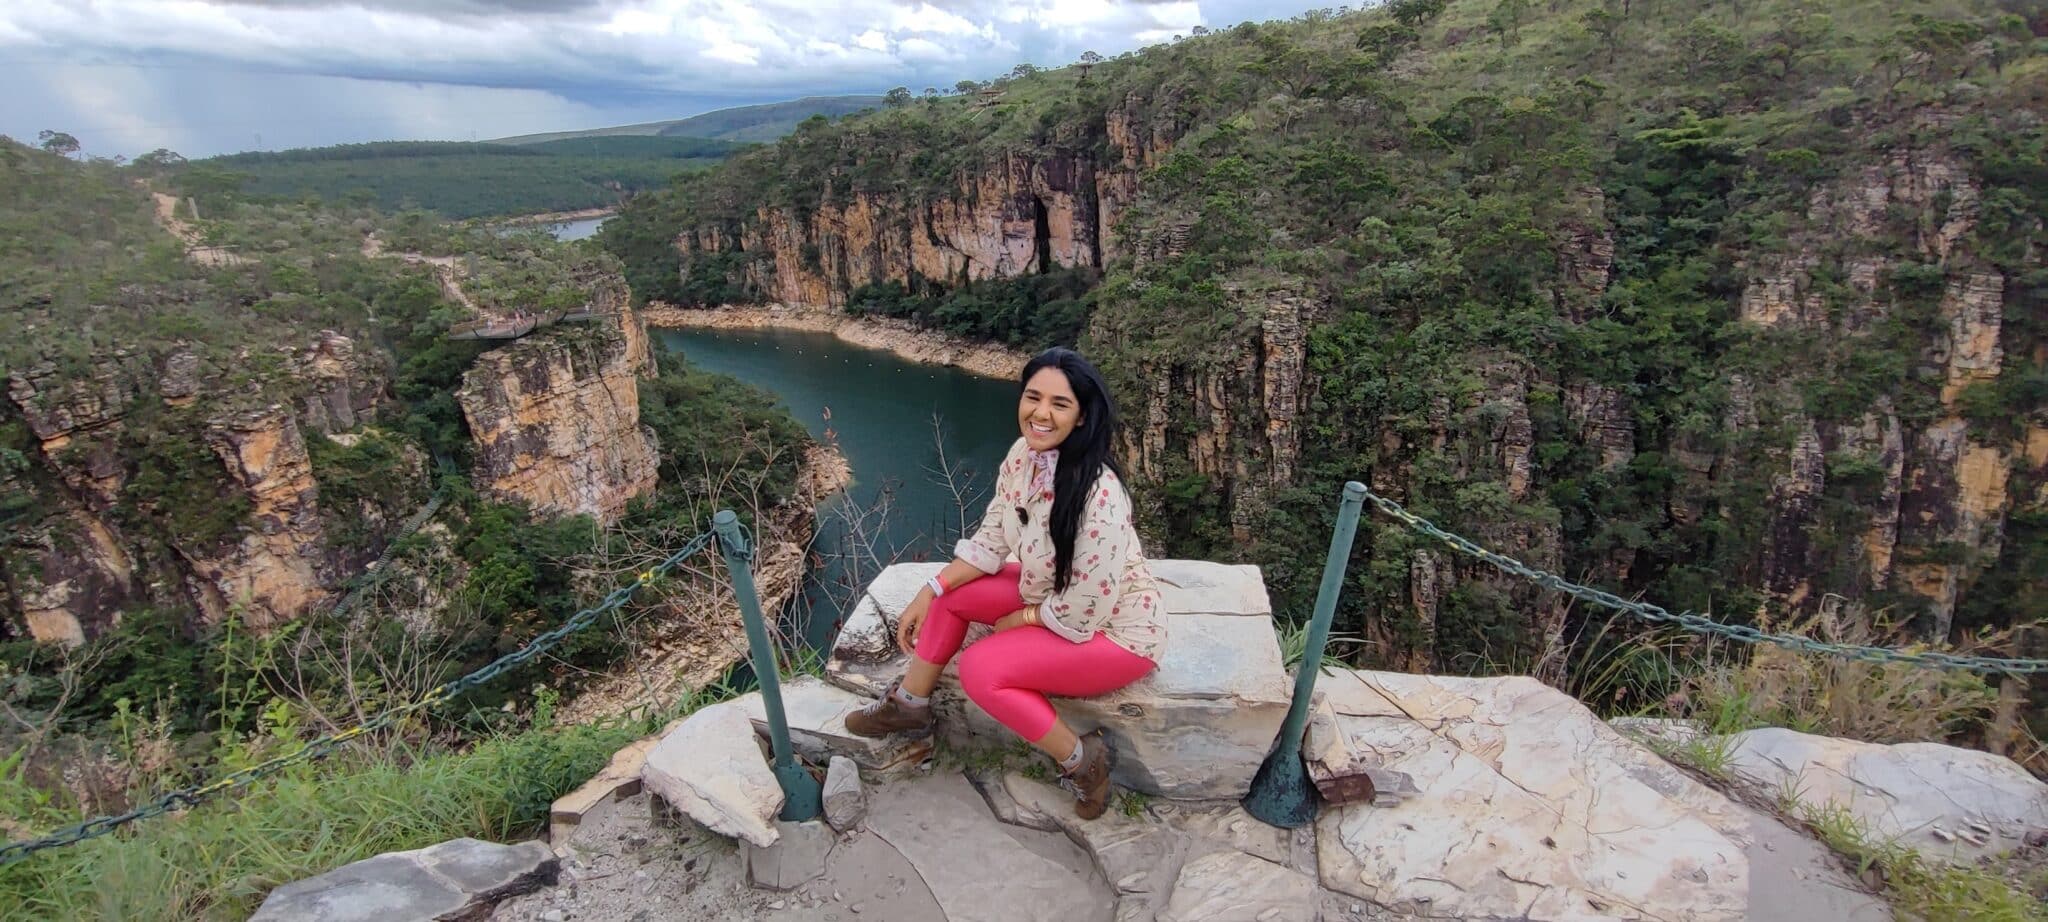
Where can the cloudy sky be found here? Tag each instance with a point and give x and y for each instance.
(212, 76)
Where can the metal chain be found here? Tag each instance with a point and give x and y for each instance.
(320, 748)
(1701, 624)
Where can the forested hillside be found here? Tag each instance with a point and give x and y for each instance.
(458, 180)
(214, 463)
(1737, 306)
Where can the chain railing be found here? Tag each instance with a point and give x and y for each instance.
(1701, 624)
(320, 748)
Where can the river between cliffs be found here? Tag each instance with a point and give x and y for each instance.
(879, 409)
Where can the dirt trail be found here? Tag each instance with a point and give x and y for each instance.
(445, 268)
(196, 248)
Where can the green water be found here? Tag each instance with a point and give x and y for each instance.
(881, 409)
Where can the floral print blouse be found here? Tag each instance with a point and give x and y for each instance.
(1111, 589)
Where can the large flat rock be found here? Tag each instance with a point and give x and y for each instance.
(1197, 728)
(1951, 804)
(980, 869)
(1144, 855)
(711, 768)
(1532, 808)
(460, 879)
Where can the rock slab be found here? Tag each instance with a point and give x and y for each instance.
(1531, 808)
(711, 767)
(845, 802)
(1233, 887)
(944, 828)
(816, 715)
(1949, 804)
(798, 856)
(1196, 728)
(455, 881)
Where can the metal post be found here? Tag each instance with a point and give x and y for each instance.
(801, 799)
(1282, 794)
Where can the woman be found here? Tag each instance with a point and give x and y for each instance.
(1076, 615)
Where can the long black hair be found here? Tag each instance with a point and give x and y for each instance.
(1082, 456)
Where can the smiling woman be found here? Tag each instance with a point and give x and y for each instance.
(1077, 614)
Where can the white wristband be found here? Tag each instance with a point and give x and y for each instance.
(938, 588)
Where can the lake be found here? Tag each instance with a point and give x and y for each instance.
(880, 409)
(577, 230)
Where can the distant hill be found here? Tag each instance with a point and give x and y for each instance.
(764, 122)
(468, 180)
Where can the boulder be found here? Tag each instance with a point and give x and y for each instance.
(816, 713)
(845, 801)
(1532, 808)
(1950, 804)
(797, 857)
(711, 768)
(1196, 728)
(455, 881)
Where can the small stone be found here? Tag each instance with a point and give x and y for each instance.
(1356, 908)
(554, 915)
(777, 905)
(1130, 882)
(857, 907)
(2038, 838)
(845, 802)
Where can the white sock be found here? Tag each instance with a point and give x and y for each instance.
(1073, 759)
(910, 699)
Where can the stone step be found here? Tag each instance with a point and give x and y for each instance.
(457, 879)
(1196, 728)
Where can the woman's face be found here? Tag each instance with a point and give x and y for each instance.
(1049, 410)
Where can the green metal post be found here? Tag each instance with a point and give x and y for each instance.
(1282, 794)
(801, 798)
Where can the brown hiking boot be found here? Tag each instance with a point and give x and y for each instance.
(888, 714)
(1089, 781)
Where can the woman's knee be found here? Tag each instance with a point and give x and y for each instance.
(977, 673)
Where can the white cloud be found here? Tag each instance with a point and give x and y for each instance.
(572, 55)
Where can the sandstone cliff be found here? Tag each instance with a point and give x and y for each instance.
(92, 546)
(1055, 206)
(1230, 410)
(556, 419)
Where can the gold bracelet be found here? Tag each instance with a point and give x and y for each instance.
(1031, 617)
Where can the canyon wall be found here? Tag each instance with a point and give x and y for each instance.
(92, 544)
(1056, 206)
(556, 419)
(1233, 413)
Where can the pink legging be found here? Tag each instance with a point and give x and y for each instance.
(1010, 672)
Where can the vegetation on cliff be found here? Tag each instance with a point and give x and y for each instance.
(201, 456)
(456, 180)
(1735, 306)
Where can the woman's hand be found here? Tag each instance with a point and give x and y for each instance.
(913, 619)
(1023, 617)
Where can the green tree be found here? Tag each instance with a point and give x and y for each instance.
(897, 97)
(57, 142)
